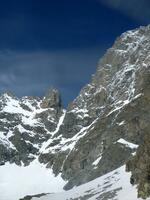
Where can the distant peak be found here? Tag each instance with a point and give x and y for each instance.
(8, 94)
(51, 99)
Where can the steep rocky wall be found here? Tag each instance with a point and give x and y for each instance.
(113, 106)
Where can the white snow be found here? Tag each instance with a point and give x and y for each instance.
(119, 107)
(82, 111)
(123, 82)
(121, 123)
(129, 144)
(18, 181)
(13, 106)
(4, 139)
(97, 161)
(69, 143)
(138, 95)
(117, 179)
(46, 144)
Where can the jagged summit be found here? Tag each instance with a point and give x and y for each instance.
(51, 99)
(100, 130)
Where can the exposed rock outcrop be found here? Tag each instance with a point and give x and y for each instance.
(51, 99)
(113, 106)
(139, 165)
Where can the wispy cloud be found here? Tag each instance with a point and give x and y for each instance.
(7, 79)
(137, 9)
(31, 73)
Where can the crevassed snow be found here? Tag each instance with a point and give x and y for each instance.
(129, 144)
(18, 181)
(117, 180)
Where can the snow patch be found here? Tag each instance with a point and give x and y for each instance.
(97, 161)
(121, 123)
(46, 144)
(128, 144)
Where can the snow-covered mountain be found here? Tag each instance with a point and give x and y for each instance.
(98, 132)
(25, 124)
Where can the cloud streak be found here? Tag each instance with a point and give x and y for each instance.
(31, 73)
(136, 9)
(7, 79)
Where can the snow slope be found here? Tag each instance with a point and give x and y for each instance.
(114, 185)
(33, 179)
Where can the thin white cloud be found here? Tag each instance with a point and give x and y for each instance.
(137, 9)
(7, 79)
(31, 73)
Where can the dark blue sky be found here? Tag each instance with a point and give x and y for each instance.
(58, 42)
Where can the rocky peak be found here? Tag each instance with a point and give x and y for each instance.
(8, 93)
(109, 112)
(120, 76)
(25, 125)
(51, 99)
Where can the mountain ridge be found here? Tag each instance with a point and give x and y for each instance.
(99, 131)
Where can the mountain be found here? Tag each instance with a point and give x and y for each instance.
(88, 145)
(25, 125)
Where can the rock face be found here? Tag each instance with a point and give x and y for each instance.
(100, 129)
(113, 107)
(51, 99)
(139, 165)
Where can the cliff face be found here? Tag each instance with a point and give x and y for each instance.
(139, 165)
(99, 131)
(111, 109)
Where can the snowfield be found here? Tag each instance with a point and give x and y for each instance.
(115, 185)
(19, 181)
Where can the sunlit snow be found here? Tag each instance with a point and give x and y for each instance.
(117, 180)
(19, 181)
(129, 144)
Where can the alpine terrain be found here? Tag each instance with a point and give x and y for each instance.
(98, 148)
